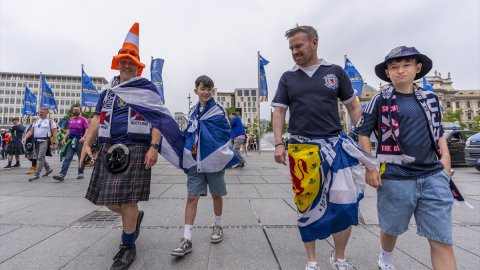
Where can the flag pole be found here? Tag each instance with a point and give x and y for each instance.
(258, 101)
(81, 91)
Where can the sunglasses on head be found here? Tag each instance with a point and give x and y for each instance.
(127, 51)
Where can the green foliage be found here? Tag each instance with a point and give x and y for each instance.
(69, 114)
(476, 123)
(454, 116)
(230, 110)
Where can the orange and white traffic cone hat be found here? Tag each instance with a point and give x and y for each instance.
(130, 49)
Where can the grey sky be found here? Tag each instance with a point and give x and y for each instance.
(221, 38)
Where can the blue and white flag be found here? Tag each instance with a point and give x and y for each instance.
(90, 94)
(328, 182)
(142, 96)
(47, 97)
(29, 103)
(209, 131)
(63, 123)
(426, 85)
(156, 75)
(355, 77)
(262, 79)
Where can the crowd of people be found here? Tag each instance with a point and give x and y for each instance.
(328, 168)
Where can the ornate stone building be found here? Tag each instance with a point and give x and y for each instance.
(467, 100)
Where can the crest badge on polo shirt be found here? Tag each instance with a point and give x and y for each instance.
(331, 81)
(121, 103)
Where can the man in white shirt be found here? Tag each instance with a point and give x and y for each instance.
(44, 131)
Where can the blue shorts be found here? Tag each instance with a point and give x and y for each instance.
(197, 183)
(429, 199)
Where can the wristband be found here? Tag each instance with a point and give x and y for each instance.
(278, 144)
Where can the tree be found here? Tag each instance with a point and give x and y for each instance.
(69, 114)
(454, 116)
(476, 123)
(230, 110)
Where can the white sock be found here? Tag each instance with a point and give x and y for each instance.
(386, 257)
(312, 263)
(187, 232)
(217, 220)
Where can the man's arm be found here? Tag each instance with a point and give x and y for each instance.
(445, 159)
(89, 139)
(277, 125)
(372, 177)
(152, 153)
(354, 111)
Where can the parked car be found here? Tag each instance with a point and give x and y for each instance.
(456, 140)
(472, 151)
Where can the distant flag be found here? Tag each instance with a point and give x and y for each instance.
(63, 123)
(156, 76)
(29, 103)
(426, 85)
(89, 93)
(47, 97)
(355, 77)
(262, 79)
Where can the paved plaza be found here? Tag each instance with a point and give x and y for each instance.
(49, 225)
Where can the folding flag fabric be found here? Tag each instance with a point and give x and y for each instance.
(262, 79)
(355, 77)
(29, 103)
(156, 76)
(426, 85)
(47, 97)
(90, 94)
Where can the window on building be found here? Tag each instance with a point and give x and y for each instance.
(17, 110)
(448, 104)
(62, 102)
(254, 93)
(1, 110)
(254, 109)
(68, 94)
(238, 104)
(457, 104)
(2, 92)
(241, 99)
(35, 85)
(249, 104)
(246, 93)
(14, 84)
(468, 104)
(11, 110)
(19, 101)
(62, 94)
(78, 94)
(62, 111)
(470, 126)
(469, 116)
(12, 101)
(7, 84)
(244, 104)
(239, 93)
(7, 92)
(254, 98)
(1, 100)
(2, 83)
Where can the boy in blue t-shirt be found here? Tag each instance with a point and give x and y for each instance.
(415, 162)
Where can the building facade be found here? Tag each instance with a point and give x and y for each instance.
(67, 90)
(450, 98)
(245, 100)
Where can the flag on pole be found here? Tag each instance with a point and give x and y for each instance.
(47, 97)
(426, 85)
(262, 79)
(29, 103)
(90, 94)
(156, 76)
(354, 75)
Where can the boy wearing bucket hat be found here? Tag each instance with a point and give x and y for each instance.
(415, 162)
(121, 177)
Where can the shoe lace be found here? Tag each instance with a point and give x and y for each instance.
(311, 267)
(120, 253)
(217, 229)
(183, 244)
(342, 265)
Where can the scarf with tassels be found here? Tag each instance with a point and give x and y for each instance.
(389, 148)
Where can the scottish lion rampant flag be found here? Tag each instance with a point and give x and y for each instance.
(355, 77)
(262, 79)
(156, 76)
(47, 97)
(328, 183)
(29, 103)
(90, 94)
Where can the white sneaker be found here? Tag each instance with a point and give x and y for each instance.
(384, 266)
(339, 264)
(312, 267)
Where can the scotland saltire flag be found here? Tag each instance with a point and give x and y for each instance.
(89, 93)
(209, 131)
(29, 103)
(355, 77)
(426, 85)
(262, 79)
(156, 76)
(47, 97)
(63, 123)
(142, 96)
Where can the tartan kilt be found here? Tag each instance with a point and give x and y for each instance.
(15, 148)
(130, 186)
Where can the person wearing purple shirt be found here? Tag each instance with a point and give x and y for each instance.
(76, 129)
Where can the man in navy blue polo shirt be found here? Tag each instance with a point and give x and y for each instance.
(311, 90)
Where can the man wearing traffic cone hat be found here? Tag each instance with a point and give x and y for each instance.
(121, 176)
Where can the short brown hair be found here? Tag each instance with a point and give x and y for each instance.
(205, 80)
(309, 30)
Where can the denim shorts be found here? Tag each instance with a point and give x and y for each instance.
(429, 199)
(197, 183)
